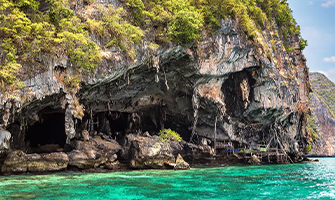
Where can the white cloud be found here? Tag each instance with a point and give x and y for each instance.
(331, 59)
(328, 3)
(310, 3)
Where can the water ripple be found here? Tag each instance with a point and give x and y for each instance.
(296, 181)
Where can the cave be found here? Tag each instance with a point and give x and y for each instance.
(118, 121)
(122, 123)
(47, 134)
(238, 92)
(180, 125)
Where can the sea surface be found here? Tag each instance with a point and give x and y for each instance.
(292, 181)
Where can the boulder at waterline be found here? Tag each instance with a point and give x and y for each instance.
(18, 161)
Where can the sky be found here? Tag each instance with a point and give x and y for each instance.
(317, 22)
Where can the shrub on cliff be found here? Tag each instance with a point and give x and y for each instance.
(111, 25)
(26, 33)
(168, 135)
(169, 20)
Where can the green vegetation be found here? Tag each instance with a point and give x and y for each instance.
(72, 83)
(302, 44)
(111, 24)
(182, 20)
(26, 33)
(311, 128)
(168, 20)
(308, 148)
(168, 135)
(273, 45)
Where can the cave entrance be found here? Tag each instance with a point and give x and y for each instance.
(48, 134)
(119, 122)
(238, 92)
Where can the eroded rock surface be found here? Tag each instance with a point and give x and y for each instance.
(4, 141)
(146, 152)
(223, 89)
(93, 152)
(17, 161)
(150, 152)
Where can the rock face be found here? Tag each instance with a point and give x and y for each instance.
(4, 141)
(225, 88)
(93, 152)
(147, 152)
(322, 115)
(233, 89)
(18, 161)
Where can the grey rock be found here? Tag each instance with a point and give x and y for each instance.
(4, 140)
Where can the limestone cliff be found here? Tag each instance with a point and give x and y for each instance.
(224, 88)
(322, 117)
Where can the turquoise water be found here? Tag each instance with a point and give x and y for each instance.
(295, 181)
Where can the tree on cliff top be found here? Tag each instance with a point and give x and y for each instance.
(66, 29)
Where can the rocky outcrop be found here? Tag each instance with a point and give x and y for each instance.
(93, 153)
(322, 117)
(17, 161)
(86, 159)
(148, 152)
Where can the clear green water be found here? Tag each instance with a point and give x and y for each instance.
(296, 181)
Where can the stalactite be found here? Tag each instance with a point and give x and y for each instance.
(166, 83)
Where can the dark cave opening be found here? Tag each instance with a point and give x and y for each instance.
(48, 134)
(118, 124)
(118, 121)
(180, 126)
(238, 92)
(122, 123)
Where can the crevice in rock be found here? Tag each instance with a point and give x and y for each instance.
(238, 92)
